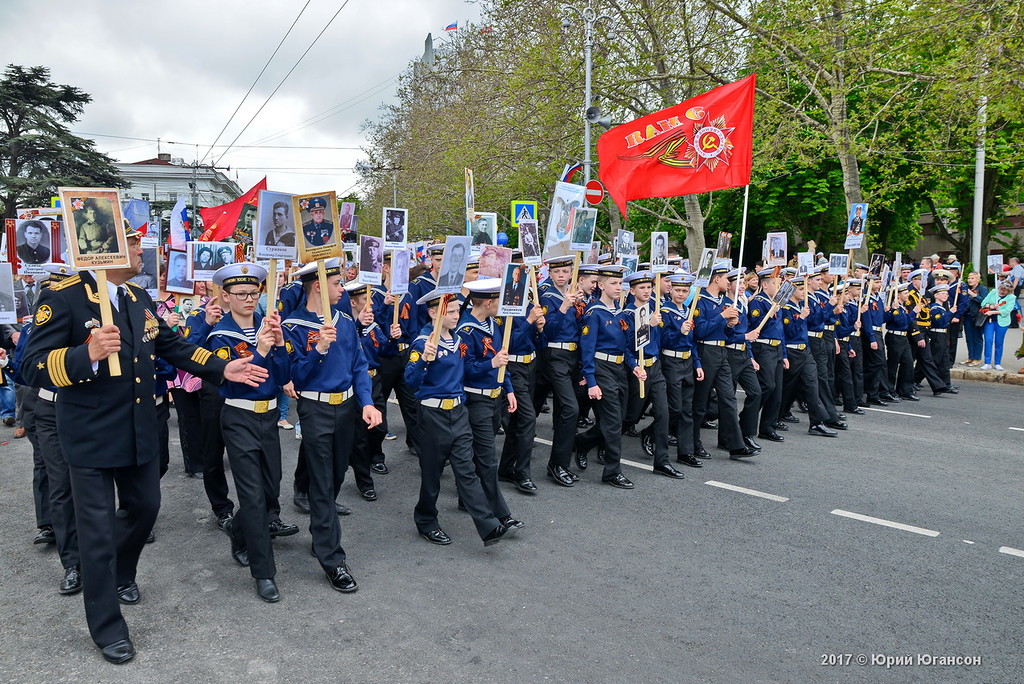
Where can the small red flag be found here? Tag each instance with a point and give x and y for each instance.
(702, 144)
(220, 222)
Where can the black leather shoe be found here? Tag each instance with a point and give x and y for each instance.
(526, 486)
(668, 471)
(342, 509)
(673, 441)
(128, 594)
(789, 418)
(751, 444)
(630, 432)
(151, 537)
(801, 406)
(647, 443)
(862, 404)
(72, 582)
(301, 501)
(877, 402)
(952, 390)
(45, 535)
(545, 408)
(918, 386)
(582, 461)
(118, 652)
(238, 551)
(574, 476)
(842, 416)
(512, 523)
(745, 452)
(821, 429)
(584, 424)
(223, 519)
(600, 455)
(278, 528)
(856, 410)
(368, 494)
(502, 477)
(689, 460)
(380, 468)
(709, 425)
(892, 398)
(266, 589)
(701, 452)
(619, 481)
(437, 537)
(495, 535)
(836, 424)
(341, 579)
(912, 397)
(772, 436)
(560, 476)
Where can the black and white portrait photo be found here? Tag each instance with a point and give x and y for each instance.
(177, 273)
(275, 226)
(33, 238)
(395, 229)
(371, 259)
(529, 242)
(453, 264)
(659, 252)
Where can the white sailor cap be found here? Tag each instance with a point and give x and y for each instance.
(244, 273)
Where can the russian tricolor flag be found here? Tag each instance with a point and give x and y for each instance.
(180, 225)
(452, 27)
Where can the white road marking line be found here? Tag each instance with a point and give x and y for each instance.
(885, 523)
(542, 440)
(623, 461)
(898, 413)
(1017, 429)
(966, 541)
(744, 490)
(1010, 551)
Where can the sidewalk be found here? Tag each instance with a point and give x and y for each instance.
(1011, 365)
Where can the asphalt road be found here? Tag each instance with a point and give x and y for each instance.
(673, 581)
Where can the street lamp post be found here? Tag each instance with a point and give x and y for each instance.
(366, 168)
(590, 18)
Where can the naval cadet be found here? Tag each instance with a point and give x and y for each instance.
(770, 353)
(367, 448)
(900, 334)
(106, 425)
(681, 366)
(742, 363)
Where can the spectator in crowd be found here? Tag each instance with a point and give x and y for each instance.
(998, 306)
(973, 332)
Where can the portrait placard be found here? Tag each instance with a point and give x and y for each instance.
(177, 273)
(641, 327)
(276, 226)
(206, 257)
(593, 254)
(33, 238)
(513, 290)
(704, 268)
(778, 249)
(856, 226)
(493, 261)
(95, 228)
(400, 271)
(659, 252)
(319, 240)
(149, 278)
(484, 228)
(583, 222)
(567, 197)
(624, 244)
(529, 242)
(724, 250)
(347, 224)
(785, 291)
(470, 198)
(8, 309)
(804, 263)
(395, 227)
(838, 264)
(876, 264)
(453, 263)
(371, 259)
(186, 304)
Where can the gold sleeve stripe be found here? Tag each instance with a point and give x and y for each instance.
(201, 356)
(58, 371)
(68, 282)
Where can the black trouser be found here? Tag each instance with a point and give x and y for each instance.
(954, 341)
(656, 394)
(900, 364)
(484, 420)
(212, 447)
(392, 375)
(40, 480)
(521, 429)
(62, 504)
(927, 368)
(186, 404)
(679, 386)
(876, 380)
(769, 375)
(559, 368)
(254, 451)
(451, 439)
(844, 377)
(802, 379)
(366, 445)
(939, 342)
(824, 355)
(744, 375)
(327, 432)
(717, 376)
(609, 411)
(163, 432)
(111, 540)
(828, 337)
(857, 367)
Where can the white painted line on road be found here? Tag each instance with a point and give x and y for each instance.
(744, 490)
(1017, 429)
(898, 413)
(542, 440)
(641, 466)
(1010, 551)
(886, 523)
(967, 541)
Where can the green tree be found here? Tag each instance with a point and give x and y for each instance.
(38, 153)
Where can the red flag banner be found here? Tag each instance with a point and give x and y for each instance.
(219, 223)
(700, 145)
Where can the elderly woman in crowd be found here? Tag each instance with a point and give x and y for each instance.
(998, 306)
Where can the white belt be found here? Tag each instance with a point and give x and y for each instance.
(811, 333)
(737, 347)
(901, 333)
(940, 330)
(774, 343)
(445, 404)
(48, 395)
(521, 359)
(601, 356)
(492, 393)
(402, 346)
(830, 327)
(713, 343)
(649, 361)
(677, 354)
(796, 346)
(332, 398)
(568, 346)
(254, 406)
(876, 328)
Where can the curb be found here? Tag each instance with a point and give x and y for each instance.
(987, 376)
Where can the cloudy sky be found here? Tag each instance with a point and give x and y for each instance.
(177, 70)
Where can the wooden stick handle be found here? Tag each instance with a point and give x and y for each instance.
(107, 318)
(435, 334)
(533, 285)
(575, 272)
(771, 312)
(640, 360)
(506, 337)
(325, 299)
(272, 287)
(397, 308)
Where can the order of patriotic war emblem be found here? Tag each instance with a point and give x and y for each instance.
(705, 144)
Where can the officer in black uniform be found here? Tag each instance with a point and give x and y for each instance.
(317, 231)
(106, 425)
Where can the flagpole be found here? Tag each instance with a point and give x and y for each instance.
(743, 240)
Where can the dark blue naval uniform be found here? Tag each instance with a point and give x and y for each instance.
(710, 330)
(769, 351)
(876, 376)
(802, 378)
(249, 426)
(394, 355)
(560, 360)
(443, 416)
(521, 429)
(654, 387)
(679, 361)
(367, 447)
(328, 412)
(740, 355)
(900, 331)
(938, 335)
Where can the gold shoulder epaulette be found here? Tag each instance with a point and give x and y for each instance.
(73, 280)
